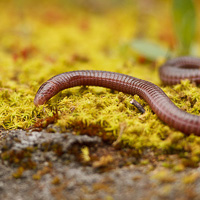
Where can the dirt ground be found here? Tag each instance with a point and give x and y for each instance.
(44, 165)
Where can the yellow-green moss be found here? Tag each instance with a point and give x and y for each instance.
(191, 178)
(85, 154)
(36, 46)
(164, 176)
(18, 173)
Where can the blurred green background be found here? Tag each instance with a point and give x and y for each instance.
(183, 16)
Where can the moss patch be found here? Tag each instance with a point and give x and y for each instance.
(51, 39)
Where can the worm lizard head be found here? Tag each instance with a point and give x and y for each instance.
(45, 92)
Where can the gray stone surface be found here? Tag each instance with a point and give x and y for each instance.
(78, 181)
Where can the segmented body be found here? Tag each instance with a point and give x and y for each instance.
(175, 70)
(151, 93)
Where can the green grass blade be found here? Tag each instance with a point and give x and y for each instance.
(184, 24)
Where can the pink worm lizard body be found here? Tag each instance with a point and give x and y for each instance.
(171, 73)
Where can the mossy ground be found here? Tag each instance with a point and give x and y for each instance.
(40, 41)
